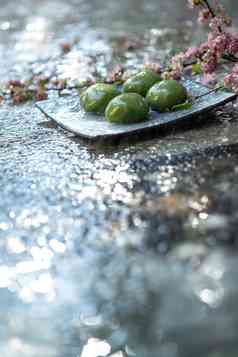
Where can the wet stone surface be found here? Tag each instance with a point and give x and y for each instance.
(126, 249)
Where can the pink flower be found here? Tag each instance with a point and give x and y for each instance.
(235, 69)
(228, 79)
(191, 53)
(215, 24)
(219, 44)
(231, 79)
(209, 79)
(204, 47)
(153, 66)
(203, 16)
(209, 62)
(218, 17)
(179, 58)
(175, 67)
(233, 43)
(231, 82)
(221, 12)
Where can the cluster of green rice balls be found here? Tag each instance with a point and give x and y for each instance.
(140, 92)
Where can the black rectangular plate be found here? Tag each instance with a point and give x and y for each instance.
(68, 114)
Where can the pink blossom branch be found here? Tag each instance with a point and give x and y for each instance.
(221, 44)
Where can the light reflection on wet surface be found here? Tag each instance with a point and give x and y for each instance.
(122, 250)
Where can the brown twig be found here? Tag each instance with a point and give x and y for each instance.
(230, 57)
(212, 12)
(211, 91)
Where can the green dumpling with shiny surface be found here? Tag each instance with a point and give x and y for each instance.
(96, 98)
(127, 108)
(141, 82)
(165, 95)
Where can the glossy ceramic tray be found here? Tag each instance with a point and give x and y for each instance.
(68, 114)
